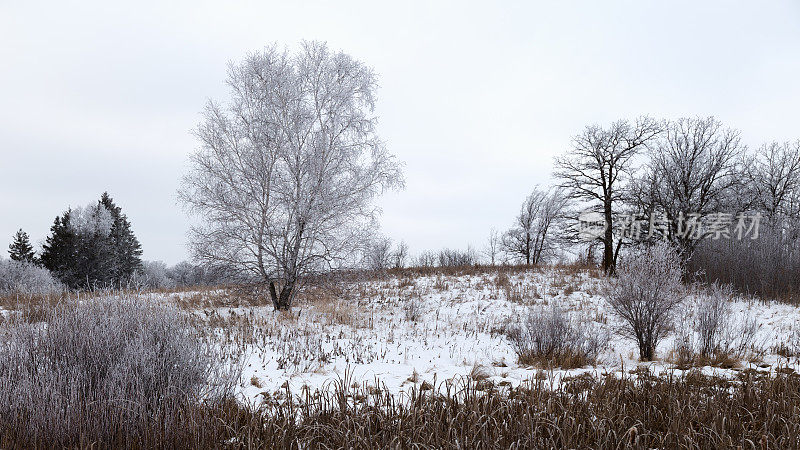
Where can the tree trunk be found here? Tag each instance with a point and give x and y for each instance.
(609, 266)
(282, 300)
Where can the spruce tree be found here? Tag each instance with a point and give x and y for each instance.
(59, 253)
(126, 249)
(92, 246)
(21, 248)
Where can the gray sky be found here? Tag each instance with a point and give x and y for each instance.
(476, 98)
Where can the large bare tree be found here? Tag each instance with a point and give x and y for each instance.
(695, 165)
(284, 179)
(597, 168)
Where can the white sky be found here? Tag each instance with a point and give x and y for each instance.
(476, 98)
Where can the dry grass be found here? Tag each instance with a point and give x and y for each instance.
(638, 411)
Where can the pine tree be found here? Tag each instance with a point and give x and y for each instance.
(21, 248)
(126, 249)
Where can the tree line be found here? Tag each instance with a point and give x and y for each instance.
(88, 247)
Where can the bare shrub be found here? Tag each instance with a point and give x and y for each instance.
(412, 309)
(153, 275)
(25, 278)
(713, 319)
(101, 369)
(645, 294)
(457, 258)
(791, 348)
(768, 266)
(551, 337)
(711, 334)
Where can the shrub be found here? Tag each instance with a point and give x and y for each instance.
(768, 266)
(645, 294)
(412, 309)
(152, 275)
(457, 258)
(26, 278)
(551, 337)
(104, 370)
(710, 333)
(712, 319)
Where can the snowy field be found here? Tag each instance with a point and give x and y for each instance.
(431, 331)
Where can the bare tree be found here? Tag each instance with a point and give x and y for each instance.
(400, 255)
(531, 239)
(774, 175)
(492, 249)
(695, 164)
(597, 168)
(285, 175)
(457, 258)
(427, 258)
(379, 254)
(645, 294)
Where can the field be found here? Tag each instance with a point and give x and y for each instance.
(405, 349)
(407, 330)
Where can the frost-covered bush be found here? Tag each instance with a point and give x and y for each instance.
(710, 330)
(26, 278)
(550, 336)
(103, 368)
(186, 274)
(645, 294)
(712, 319)
(152, 275)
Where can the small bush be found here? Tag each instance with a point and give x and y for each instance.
(27, 279)
(711, 334)
(152, 275)
(713, 320)
(104, 371)
(646, 293)
(412, 309)
(551, 337)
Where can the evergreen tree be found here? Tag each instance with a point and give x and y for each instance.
(60, 250)
(126, 251)
(92, 246)
(21, 248)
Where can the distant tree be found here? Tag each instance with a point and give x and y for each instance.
(426, 259)
(379, 254)
(21, 248)
(400, 255)
(492, 249)
(457, 258)
(598, 167)
(287, 171)
(774, 175)
(531, 240)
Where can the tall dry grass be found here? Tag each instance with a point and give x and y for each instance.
(102, 371)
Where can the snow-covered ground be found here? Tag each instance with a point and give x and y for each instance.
(433, 330)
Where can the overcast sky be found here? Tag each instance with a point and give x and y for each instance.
(475, 98)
